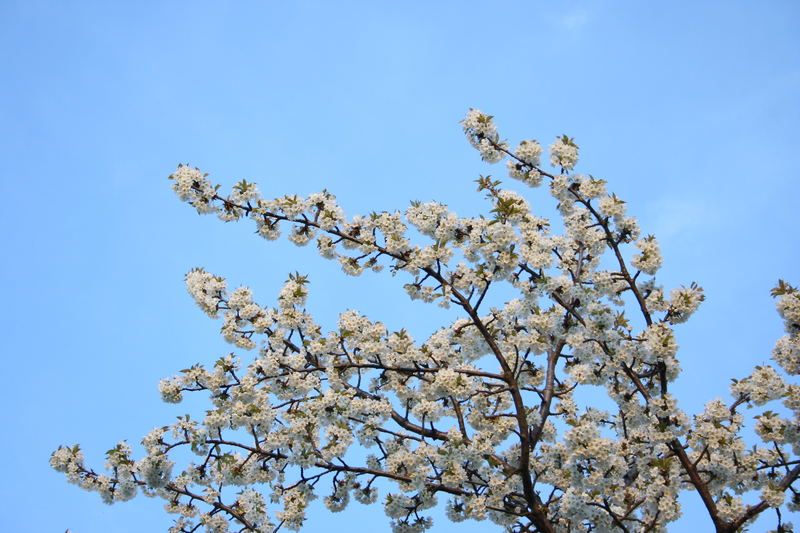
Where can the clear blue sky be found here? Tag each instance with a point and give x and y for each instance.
(688, 109)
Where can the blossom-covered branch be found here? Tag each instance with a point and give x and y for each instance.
(482, 413)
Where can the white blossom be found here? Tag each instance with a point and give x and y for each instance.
(649, 261)
(564, 153)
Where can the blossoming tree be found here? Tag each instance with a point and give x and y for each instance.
(483, 414)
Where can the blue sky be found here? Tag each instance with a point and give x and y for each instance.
(689, 110)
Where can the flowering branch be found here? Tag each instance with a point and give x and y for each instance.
(483, 412)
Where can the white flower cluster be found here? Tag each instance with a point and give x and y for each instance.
(649, 261)
(612, 207)
(482, 134)
(206, 289)
(525, 165)
(564, 153)
(762, 386)
(683, 303)
(150, 473)
(194, 188)
(787, 353)
(155, 470)
(787, 349)
(789, 308)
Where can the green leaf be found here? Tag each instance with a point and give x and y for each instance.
(782, 288)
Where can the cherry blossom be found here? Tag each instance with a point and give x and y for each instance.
(482, 416)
